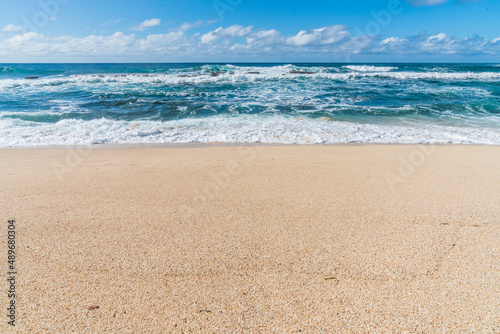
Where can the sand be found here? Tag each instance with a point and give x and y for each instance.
(271, 239)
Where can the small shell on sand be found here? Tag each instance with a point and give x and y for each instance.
(92, 307)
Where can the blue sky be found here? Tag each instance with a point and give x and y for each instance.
(249, 30)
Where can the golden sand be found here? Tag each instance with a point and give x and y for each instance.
(333, 239)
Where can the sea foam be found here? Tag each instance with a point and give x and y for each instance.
(241, 129)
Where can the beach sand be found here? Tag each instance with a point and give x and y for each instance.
(271, 239)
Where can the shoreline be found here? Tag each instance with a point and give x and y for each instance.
(121, 146)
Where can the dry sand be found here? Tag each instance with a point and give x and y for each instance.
(334, 239)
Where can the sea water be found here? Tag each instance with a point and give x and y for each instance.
(82, 104)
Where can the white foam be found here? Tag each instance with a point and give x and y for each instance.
(238, 129)
(370, 68)
(134, 81)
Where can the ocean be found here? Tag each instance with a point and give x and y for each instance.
(83, 104)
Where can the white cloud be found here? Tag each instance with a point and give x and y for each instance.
(264, 37)
(323, 36)
(437, 45)
(147, 24)
(438, 38)
(11, 28)
(160, 40)
(93, 45)
(23, 38)
(186, 26)
(303, 38)
(333, 43)
(221, 33)
(392, 41)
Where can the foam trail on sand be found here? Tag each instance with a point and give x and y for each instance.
(243, 129)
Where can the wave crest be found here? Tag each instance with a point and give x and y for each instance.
(370, 68)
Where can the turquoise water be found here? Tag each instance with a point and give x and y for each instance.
(78, 104)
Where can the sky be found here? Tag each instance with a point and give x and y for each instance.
(249, 31)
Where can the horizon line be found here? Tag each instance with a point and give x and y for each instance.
(240, 62)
